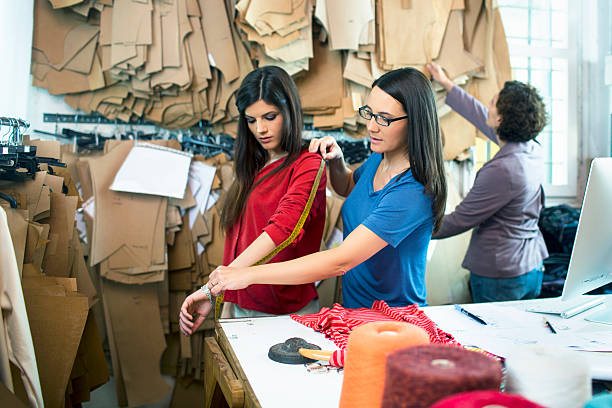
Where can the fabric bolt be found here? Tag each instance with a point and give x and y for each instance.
(555, 377)
(503, 205)
(338, 322)
(275, 206)
(401, 214)
(368, 348)
(417, 377)
(483, 399)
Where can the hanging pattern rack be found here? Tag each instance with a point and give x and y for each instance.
(13, 137)
(18, 161)
(92, 119)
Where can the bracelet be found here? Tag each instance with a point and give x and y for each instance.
(206, 291)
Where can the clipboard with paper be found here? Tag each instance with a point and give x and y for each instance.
(155, 170)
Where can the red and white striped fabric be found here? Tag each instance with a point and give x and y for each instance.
(337, 323)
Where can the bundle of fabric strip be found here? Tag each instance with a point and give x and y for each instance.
(398, 357)
(337, 324)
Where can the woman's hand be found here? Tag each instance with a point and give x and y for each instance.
(340, 175)
(327, 146)
(196, 304)
(227, 278)
(438, 74)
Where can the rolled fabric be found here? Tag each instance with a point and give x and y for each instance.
(337, 358)
(420, 376)
(482, 399)
(366, 352)
(551, 376)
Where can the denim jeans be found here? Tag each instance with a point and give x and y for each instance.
(526, 286)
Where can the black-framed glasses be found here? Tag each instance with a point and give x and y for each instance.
(367, 114)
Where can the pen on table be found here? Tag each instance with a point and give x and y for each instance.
(552, 329)
(471, 315)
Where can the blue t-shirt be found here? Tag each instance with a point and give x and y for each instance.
(401, 215)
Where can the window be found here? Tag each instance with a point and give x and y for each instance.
(542, 52)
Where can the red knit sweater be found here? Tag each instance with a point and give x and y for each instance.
(275, 206)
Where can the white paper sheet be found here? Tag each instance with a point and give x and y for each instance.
(201, 177)
(506, 317)
(155, 170)
(510, 327)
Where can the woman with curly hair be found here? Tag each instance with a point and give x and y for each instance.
(506, 250)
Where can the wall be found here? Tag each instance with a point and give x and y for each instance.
(16, 20)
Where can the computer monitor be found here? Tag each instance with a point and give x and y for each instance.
(590, 264)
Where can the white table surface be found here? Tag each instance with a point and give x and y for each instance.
(528, 329)
(276, 384)
(282, 385)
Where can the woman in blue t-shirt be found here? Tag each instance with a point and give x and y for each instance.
(395, 200)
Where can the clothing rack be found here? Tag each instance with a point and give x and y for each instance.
(92, 119)
(16, 124)
(198, 140)
(92, 141)
(4, 121)
(209, 145)
(354, 150)
(18, 161)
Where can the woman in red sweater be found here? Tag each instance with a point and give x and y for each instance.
(274, 173)
(395, 200)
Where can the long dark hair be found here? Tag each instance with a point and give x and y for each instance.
(424, 144)
(275, 87)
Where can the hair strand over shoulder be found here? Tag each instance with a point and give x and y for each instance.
(413, 90)
(274, 86)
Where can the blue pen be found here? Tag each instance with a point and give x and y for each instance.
(471, 315)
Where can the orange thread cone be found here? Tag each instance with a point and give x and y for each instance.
(366, 355)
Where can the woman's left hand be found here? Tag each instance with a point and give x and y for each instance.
(194, 310)
(227, 278)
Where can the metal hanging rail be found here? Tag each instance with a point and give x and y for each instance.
(93, 119)
(14, 122)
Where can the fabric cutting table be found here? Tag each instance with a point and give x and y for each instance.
(238, 370)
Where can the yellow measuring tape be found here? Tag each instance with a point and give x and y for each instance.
(291, 237)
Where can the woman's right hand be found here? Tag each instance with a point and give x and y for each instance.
(438, 74)
(327, 146)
